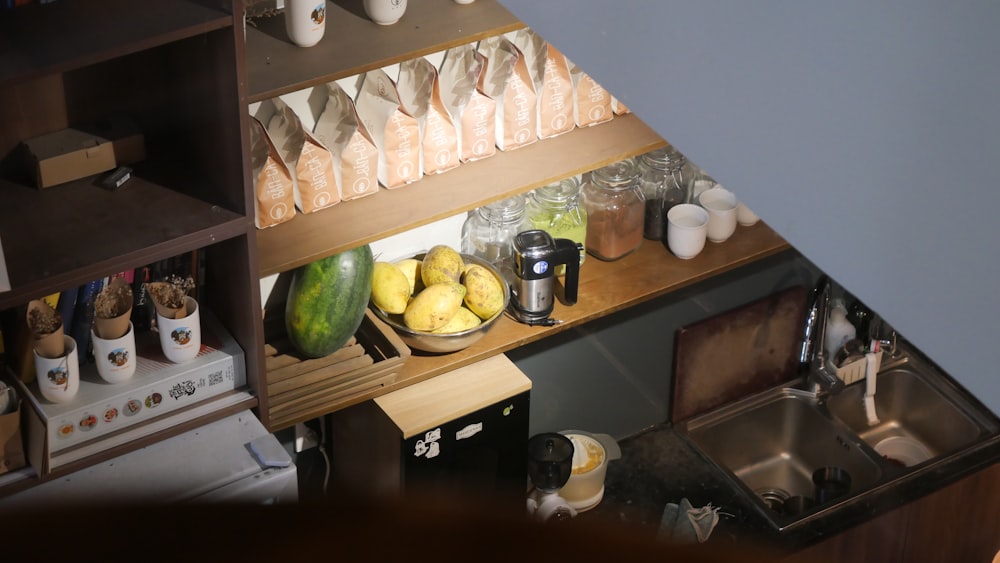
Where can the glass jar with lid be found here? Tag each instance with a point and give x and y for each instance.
(488, 232)
(615, 207)
(664, 185)
(555, 209)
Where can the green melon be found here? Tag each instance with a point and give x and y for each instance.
(327, 301)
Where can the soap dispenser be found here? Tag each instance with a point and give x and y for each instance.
(838, 329)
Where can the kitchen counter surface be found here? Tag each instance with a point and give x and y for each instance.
(659, 466)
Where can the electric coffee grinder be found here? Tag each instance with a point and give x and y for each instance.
(550, 463)
(532, 287)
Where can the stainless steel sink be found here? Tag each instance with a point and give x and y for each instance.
(913, 413)
(769, 444)
(774, 442)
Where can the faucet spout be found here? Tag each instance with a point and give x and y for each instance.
(812, 359)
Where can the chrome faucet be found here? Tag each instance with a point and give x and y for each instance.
(812, 359)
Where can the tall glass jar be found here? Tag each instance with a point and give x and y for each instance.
(615, 208)
(555, 209)
(664, 185)
(489, 231)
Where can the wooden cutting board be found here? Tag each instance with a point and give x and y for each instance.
(737, 353)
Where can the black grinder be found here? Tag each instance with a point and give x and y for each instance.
(536, 255)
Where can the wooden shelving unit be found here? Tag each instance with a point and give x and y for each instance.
(605, 288)
(174, 68)
(471, 185)
(186, 73)
(352, 45)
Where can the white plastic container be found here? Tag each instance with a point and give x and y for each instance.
(591, 454)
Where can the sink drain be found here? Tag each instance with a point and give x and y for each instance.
(773, 498)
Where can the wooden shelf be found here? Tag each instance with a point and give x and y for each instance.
(67, 235)
(353, 44)
(39, 39)
(352, 223)
(605, 288)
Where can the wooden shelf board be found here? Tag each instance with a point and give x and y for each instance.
(352, 223)
(73, 233)
(39, 39)
(605, 288)
(353, 44)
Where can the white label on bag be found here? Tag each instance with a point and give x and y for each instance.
(469, 431)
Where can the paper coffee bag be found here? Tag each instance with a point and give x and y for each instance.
(311, 164)
(395, 132)
(274, 197)
(473, 112)
(591, 102)
(618, 107)
(508, 82)
(420, 93)
(550, 75)
(355, 157)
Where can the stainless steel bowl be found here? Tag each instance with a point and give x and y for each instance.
(445, 343)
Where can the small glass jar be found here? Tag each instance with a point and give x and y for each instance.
(615, 208)
(664, 185)
(555, 209)
(488, 232)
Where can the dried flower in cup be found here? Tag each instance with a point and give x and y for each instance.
(113, 309)
(46, 326)
(169, 296)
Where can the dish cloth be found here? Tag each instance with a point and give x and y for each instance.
(682, 523)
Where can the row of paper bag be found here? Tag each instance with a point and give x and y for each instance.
(504, 93)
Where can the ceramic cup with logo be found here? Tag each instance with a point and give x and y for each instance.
(721, 206)
(180, 339)
(305, 21)
(385, 12)
(115, 357)
(59, 378)
(687, 228)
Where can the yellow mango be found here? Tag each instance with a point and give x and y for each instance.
(464, 319)
(484, 294)
(441, 264)
(433, 307)
(390, 288)
(411, 267)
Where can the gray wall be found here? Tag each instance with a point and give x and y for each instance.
(867, 134)
(614, 375)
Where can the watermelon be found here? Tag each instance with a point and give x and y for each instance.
(327, 301)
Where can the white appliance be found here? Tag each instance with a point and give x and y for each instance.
(231, 460)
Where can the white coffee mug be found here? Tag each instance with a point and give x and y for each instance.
(721, 206)
(115, 357)
(687, 227)
(180, 339)
(385, 12)
(305, 21)
(59, 378)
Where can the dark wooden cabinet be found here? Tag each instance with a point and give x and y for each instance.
(959, 522)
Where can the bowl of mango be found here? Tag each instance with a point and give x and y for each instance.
(439, 301)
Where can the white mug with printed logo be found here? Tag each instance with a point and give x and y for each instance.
(180, 339)
(305, 21)
(385, 12)
(115, 357)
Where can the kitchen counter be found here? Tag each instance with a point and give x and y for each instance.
(659, 466)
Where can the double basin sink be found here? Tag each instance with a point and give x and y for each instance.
(771, 444)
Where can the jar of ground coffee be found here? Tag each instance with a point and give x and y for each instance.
(664, 185)
(615, 207)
